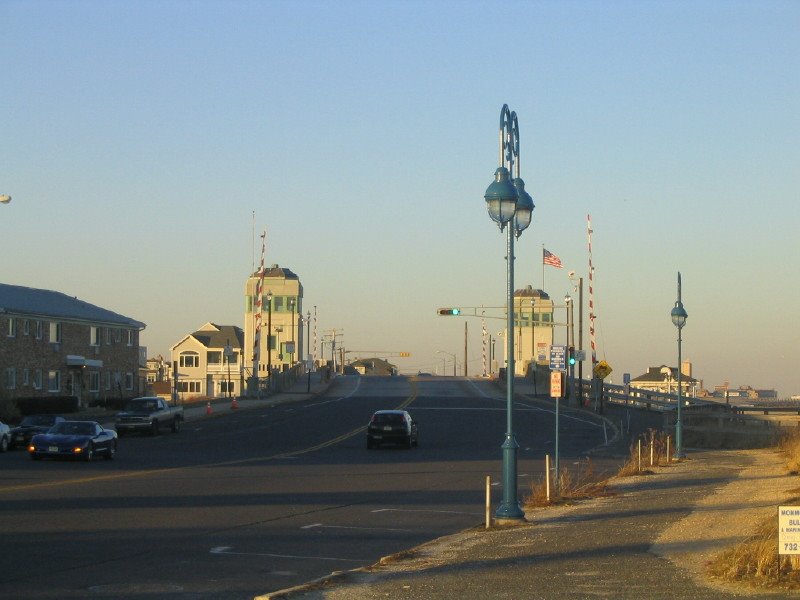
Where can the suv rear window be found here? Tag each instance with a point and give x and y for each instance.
(387, 418)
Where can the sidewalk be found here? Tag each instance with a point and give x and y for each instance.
(220, 406)
(650, 539)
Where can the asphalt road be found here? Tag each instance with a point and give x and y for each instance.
(259, 500)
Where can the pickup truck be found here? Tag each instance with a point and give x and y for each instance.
(148, 415)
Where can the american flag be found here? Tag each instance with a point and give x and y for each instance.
(551, 259)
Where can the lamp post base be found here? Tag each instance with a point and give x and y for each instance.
(509, 509)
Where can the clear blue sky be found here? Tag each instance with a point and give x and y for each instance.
(139, 137)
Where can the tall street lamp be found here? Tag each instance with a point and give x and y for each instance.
(291, 354)
(509, 204)
(5, 199)
(269, 341)
(308, 349)
(679, 315)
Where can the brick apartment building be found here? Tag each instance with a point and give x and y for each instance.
(52, 344)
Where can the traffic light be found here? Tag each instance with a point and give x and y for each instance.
(405, 354)
(449, 311)
(571, 355)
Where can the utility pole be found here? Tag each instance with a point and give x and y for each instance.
(465, 348)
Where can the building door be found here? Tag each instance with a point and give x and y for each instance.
(75, 385)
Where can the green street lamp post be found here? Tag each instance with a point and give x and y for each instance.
(308, 349)
(269, 341)
(679, 315)
(509, 205)
(291, 354)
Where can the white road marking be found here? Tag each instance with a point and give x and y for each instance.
(321, 526)
(227, 550)
(447, 512)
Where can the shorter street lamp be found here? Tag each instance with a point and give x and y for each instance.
(679, 315)
(5, 199)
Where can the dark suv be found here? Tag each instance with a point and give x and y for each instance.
(391, 427)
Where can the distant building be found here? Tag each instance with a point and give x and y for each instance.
(52, 344)
(742, 394)
(209, 362)
(283, 345)
(533, 329)
(665, 379)
(374, 366)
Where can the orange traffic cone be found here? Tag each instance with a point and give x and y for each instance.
(234, 404)
(209, 410)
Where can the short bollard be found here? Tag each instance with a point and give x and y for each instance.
(488, 501)
(669, 456)
(547, 475)
(639, 447)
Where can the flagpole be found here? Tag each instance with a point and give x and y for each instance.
(542, 267)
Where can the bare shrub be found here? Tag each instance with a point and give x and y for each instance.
(573, 484)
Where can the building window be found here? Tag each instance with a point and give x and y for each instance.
(26, 327)
(214, 357)
(55, 332)
(231, 359)
(189, 359)
(117, 335)
(193, 387)
(130, 337)
(108, 336)
(38, 330)
(94, 381)
(94, 335)
(12, 327)
(128, 381)
(227, 386)
(37, 379)
(54, 381)
(277, 302)
(11, 378)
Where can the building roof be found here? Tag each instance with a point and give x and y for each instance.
(48, 303)
(531, 292)
(219, 336)
(277, 272)
(655, 375)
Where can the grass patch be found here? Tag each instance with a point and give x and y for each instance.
(651, 449)
(573, 484)
(756, 561)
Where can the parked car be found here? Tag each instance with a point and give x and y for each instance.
(74, 439)
(148, 414)
(391, 427)
(5, 437)
(31, 425)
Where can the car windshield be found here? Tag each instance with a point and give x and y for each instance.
(37, 421)
(388, 418)
(141, 404)
(73, 428)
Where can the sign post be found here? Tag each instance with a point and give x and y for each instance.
(558, 366)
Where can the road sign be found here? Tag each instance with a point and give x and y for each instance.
(558, 358)
(557, 387)
(789, 530)
(602, 370)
